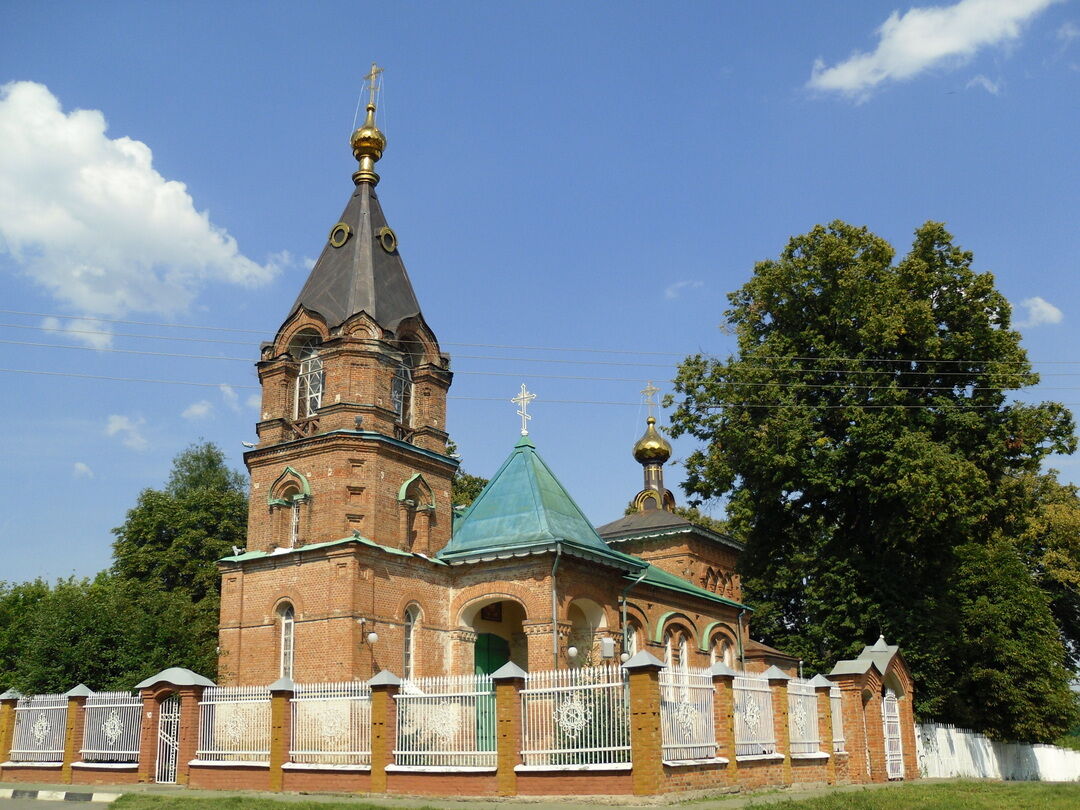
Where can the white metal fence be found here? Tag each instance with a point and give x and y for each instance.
(234, 724)
(111, 725)
(946, 751)
(686, 714)
(576, 717)
(836, 705)
(803, 717)
(754, 731)
(331, 724)
(40, 725)
(446, 722)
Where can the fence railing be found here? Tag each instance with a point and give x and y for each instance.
(755, 734)
(837, 710)
(234, 724)
(40, 725)
(946, 752)
(112, 722)
(686, 714)
(331, 724)
(576, 717)
(803, 718)
(446, 722)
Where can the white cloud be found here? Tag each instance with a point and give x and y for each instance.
(926, 37)
(1068, 31)
(198, 410)
(1040, 312)
(128, 430)
(89, 219)
(82, 470)
(232, 399)
(672, 291)
(254, 401)
(991, 87)
(90, 333)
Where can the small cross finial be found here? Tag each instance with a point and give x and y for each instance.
(522, 400)
(372, 79)
(650, 391)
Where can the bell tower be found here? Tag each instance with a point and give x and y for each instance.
(352, 430)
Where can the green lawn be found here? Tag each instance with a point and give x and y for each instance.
(944, 796)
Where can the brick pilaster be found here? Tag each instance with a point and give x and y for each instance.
(189, 731)
(509, 681)
(384, 687)
(646, 737)
(875, 737)
(778, 681)
(8, 702)
(822, 687)
(281, 692)
(73, 729)
(723, 678)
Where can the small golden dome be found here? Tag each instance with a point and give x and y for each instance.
(368, 140)
(652, 448)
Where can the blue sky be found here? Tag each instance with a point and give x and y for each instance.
(561, 175)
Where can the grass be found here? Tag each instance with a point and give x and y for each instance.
(959, 795)
(148, 801)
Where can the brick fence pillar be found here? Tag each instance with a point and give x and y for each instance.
(854, 727)
(281, 692)
(384, 687)
(646, 737)
(822, 687)
(875, 737)
(190, 696)
(73, 728)
(509, 681)
(778, 680)
(723, 678)
(8, 701)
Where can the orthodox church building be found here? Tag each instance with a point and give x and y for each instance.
(356, 560)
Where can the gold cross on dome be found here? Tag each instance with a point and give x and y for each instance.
(371, 79)
(650, 391)
(522, 400)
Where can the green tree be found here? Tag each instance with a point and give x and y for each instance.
(873, 466)
(464, 487)
(18, 606)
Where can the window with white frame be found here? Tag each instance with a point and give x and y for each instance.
(310, 379)
(408, 664)
(288, 621)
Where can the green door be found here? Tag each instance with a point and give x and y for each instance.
(491, 652)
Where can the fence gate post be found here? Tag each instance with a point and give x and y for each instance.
(190, 696)
(509, 679)
(383, 726)
(73, 728)
(8, 700)
(723, 678)
(646, 737)
(778, 680)
(822, 691)
(281, 691)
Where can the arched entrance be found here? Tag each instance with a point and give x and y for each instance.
(168, 739)
(500, 635)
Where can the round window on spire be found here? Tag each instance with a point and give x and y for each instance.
(387, 238)
(339, 234)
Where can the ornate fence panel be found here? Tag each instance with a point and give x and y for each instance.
(803, 718)
(837, 706)
(331, 724)
(40, 722)
(446, 722)
(754, 732)
(112, 722)
(686, 714)
(576, 717)
(234, 724)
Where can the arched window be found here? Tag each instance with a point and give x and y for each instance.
(684, 653)
(401, 394)
(309, 380)
(412, 616)
(292, 500)
(669, 643)
(631, 647)
(722, 651)
(287, 618)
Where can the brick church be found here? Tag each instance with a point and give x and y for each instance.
(356, 558)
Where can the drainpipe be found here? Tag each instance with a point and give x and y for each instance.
(555, 608)
(622, 601)
(742, 652)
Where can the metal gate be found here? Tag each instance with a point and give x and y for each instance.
(168, 742)
(894, 749)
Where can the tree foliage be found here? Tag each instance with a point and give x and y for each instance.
(464, 488)
(880, 478)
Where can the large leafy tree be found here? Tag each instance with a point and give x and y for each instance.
(879, 474)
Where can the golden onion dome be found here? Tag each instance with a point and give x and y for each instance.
(368, 140)
(652, 448)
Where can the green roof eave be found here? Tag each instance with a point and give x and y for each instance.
(363, 541)
(543, 545)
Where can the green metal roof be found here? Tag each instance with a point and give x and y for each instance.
(525, 510)
(359, 540)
